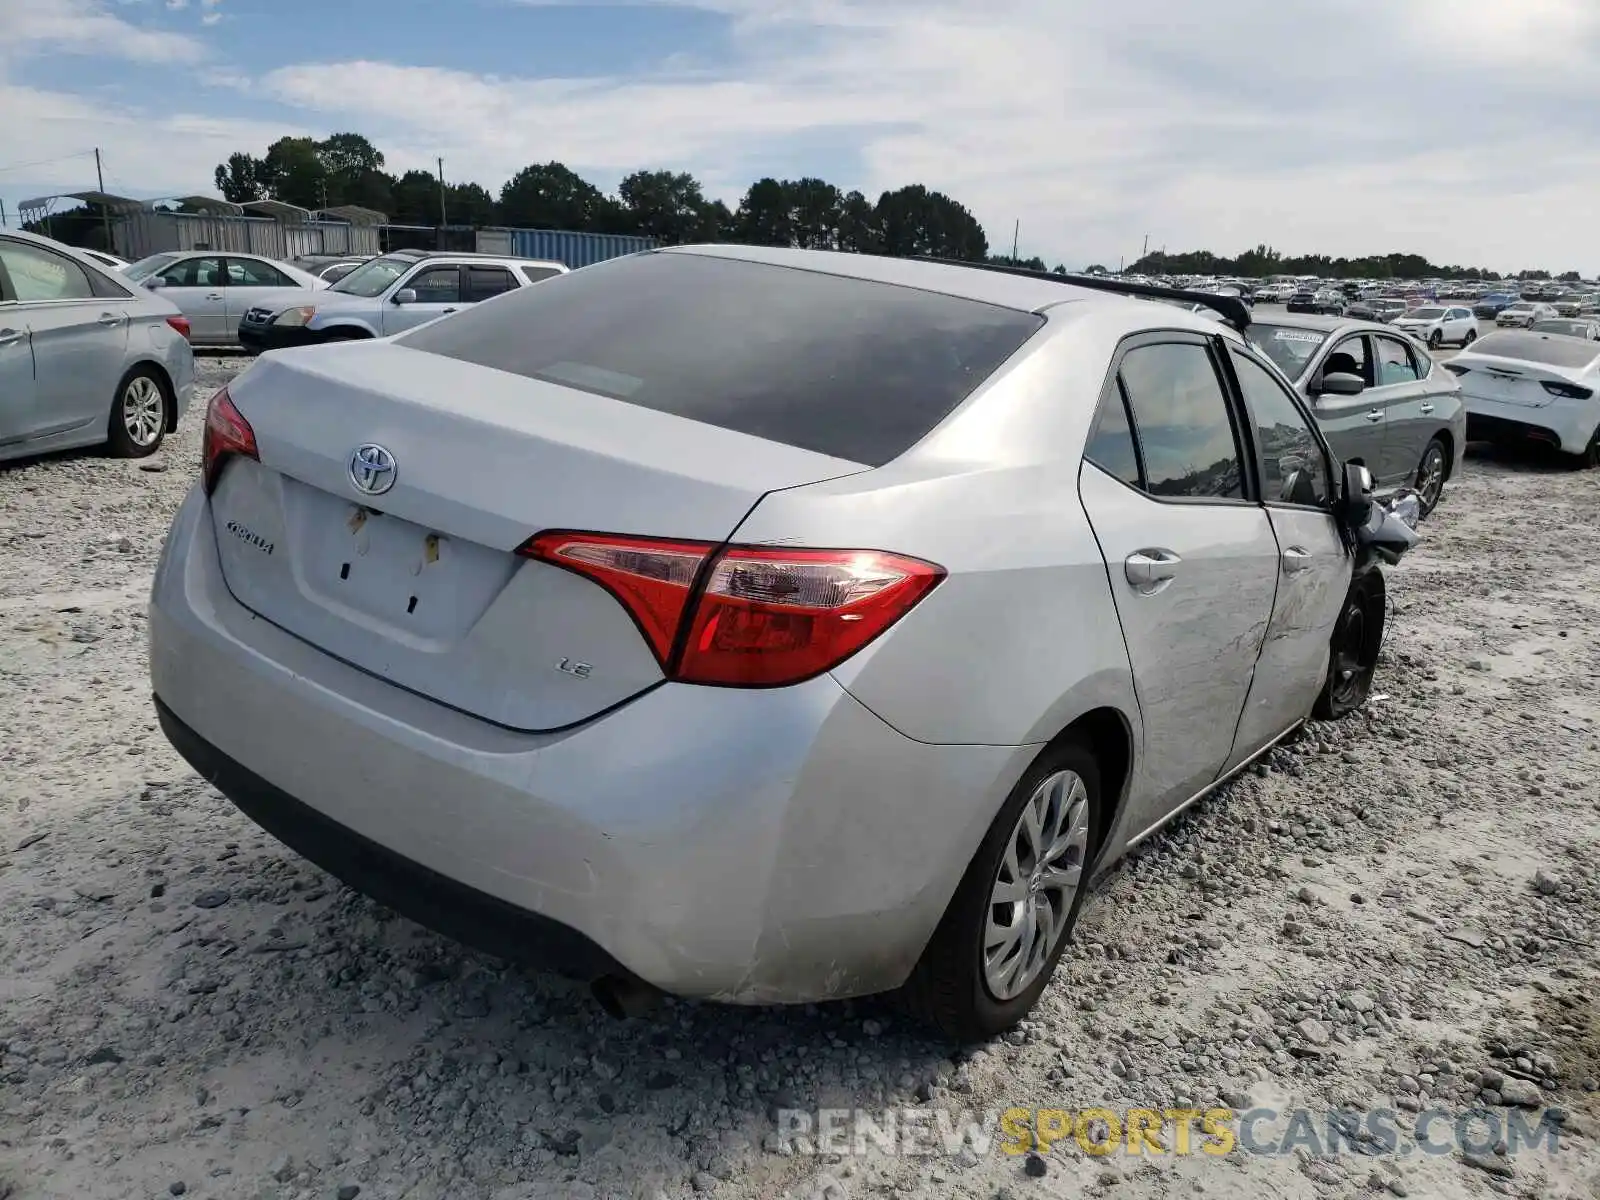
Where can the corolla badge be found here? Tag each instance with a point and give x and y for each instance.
(372, 469)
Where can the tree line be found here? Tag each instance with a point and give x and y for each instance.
(669, 206)
(1264, 261)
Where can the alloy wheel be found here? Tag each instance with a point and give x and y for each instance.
(1036, 884)
(1349, 642)
(1430, 477)
(143, 412)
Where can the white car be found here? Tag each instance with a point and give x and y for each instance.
(1437, 324)
(389, 295)
(1542, 387)
(110, 261)
(1525, 312)
(214, 290)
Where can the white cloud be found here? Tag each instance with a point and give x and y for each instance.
(175, 4)
(210, 18)
(1462, 129)
(84, 27)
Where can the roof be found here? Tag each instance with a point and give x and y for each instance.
(355, 214)
(419, 255)
(1326, 324)
(1028, 293)
(104, 199)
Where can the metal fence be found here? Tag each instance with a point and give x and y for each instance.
(139, 234)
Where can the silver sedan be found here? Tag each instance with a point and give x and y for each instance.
(85, 356)
(215, 290)
(761, 625)
(1379, 396)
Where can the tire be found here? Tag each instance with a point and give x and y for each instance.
(140, 411)
(1353, 649)
(950, 988)
(1589, 457)
(1472, 336)
(1431, 469)
(1435, 340)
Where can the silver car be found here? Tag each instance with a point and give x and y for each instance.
(85, 356)
(760, 625)
(1380, 398)
(215, 290)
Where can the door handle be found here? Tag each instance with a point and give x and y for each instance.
(110, 319)
(1296, 559)
(214, 296)
(448, 310)
(1147, 568)
(1375, 415)
(10, 337)
(1426, 407)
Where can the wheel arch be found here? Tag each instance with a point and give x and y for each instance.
(163, 376)
(1444, 435)
(349, 328)
(1108, 734)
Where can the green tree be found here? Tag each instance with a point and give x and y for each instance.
(916, 221)
(669, 207)
(765, 217)
(550, 196)
(239, 179)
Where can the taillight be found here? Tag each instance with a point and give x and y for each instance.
(181, 324)
(1568, 391)
(226, 433)
(745, 616)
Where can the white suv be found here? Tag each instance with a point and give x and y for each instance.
(389, 295)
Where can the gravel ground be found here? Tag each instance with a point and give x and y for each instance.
(1398, 911)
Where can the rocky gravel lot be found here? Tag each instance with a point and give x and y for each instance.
(1395, 912)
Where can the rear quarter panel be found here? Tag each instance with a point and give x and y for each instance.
(1021, 637)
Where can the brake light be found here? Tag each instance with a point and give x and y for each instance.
(745, 616)
(1568, 391)
(227, 433)
(181, 324)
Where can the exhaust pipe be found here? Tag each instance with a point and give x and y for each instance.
(624, 997)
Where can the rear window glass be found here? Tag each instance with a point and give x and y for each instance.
(846, 367)
(1552, 349)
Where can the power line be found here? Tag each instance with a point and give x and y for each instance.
(45, 162)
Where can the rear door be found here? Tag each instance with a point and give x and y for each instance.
(1402, 396)
(16, 365)
(252, 282)
(438, 289)
(78, 340)
(1191, 558)
(196, 285)
(1314, 568)
(486, 282)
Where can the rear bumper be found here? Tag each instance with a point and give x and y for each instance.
(752, 846)
(431, 899)
(1569, 424)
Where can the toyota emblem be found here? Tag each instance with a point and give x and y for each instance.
(372, 469)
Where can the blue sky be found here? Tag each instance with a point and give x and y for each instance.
(1463, 129)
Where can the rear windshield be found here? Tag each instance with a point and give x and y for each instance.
(846, 367)
(1551, 349)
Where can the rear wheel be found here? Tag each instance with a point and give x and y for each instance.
(1353, 650)
(138, 414)
(994, 951)
(1589, 457)
(1430, 475)
(1435, 340)
(1472, 336)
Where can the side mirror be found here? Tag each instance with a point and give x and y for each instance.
(155, 283)
(1340, 383)
(406, 296)
(1355, 502)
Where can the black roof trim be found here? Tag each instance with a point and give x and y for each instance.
(1230, 308)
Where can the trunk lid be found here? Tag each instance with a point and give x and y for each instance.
(420, 584)
(1507, 381)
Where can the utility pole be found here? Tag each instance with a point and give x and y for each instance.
(1145, 253)
(105, 213)
(1016, 231)
(442, 221)
(1121, 262)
